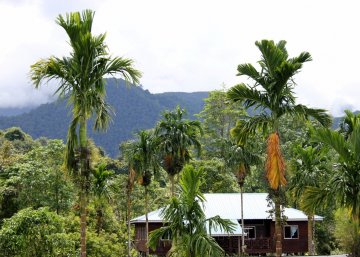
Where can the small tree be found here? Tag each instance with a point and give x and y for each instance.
(101, 192)
(176, 135)
(186, 221)
(34, 233)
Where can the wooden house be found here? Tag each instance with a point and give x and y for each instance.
(258, 231)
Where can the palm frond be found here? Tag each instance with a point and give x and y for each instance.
(303, 57)
(124, 67)
(302, 111)
(282, 46)
(224, 225)
(205, 245)
(354, 141)
(247, 127)
(249, 70)
(348, 123)
(156, 235)
(250, 96)
(334, 140)
(315, 197)
(271, 56)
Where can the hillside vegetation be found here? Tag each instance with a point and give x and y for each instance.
(135, 109)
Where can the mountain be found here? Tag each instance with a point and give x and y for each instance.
(14, 111)
(338, 120)
(135, 109)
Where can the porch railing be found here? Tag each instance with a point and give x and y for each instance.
(258, 244)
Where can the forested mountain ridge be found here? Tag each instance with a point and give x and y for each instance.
(135, 109)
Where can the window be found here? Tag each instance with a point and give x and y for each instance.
(291, 232)
(250, 231)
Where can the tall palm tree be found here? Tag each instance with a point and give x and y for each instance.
(81, 78)
(125, 149)
(129, 188)
(145, 163)
(186, 221)
(272, 94)
(239, 159)
(344, 186)
(176, 136)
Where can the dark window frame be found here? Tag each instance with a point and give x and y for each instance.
(246, 230)
(287, 234)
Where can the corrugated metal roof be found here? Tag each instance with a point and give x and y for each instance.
(228, 206)
(220, 232)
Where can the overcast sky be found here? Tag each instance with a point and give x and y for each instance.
(193, 45)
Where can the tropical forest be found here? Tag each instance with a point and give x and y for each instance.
(75, 196)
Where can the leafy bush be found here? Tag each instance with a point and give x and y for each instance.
(35, 233)
(347, 232)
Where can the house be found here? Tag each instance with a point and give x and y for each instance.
(258, 231)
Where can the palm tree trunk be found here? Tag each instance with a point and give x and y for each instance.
(99, 216)
(278, 230)
(311, 247)
(128, 221)
(242, 223)
(147, 222)
(172, 182)
(83, 222)
(84, 176)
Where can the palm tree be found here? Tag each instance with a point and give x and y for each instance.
(343, 188)
(239, 159)
(186, 221)
(272, 94)
(309, 168)
(125, 149)
(100, 189)
(176, 135)
(81, 78)
(144, 162)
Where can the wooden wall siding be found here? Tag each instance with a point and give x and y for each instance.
(299, 245)
(140, 244)
(262, 244)
(229, 244)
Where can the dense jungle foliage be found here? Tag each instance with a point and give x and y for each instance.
(39, 201)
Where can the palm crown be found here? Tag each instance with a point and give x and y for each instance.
(80, 75)
(272, 91)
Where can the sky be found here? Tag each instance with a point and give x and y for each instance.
(191, 45)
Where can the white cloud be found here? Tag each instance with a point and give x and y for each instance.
(192, 45)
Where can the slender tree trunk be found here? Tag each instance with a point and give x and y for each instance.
(311, 248)
(278, 227)
(128, 221)
(99, 214)
(172, 182)
(242, 223)
(84, 176)
(147, 222)
(83, 222)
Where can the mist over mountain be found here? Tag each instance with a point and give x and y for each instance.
(135, 109)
